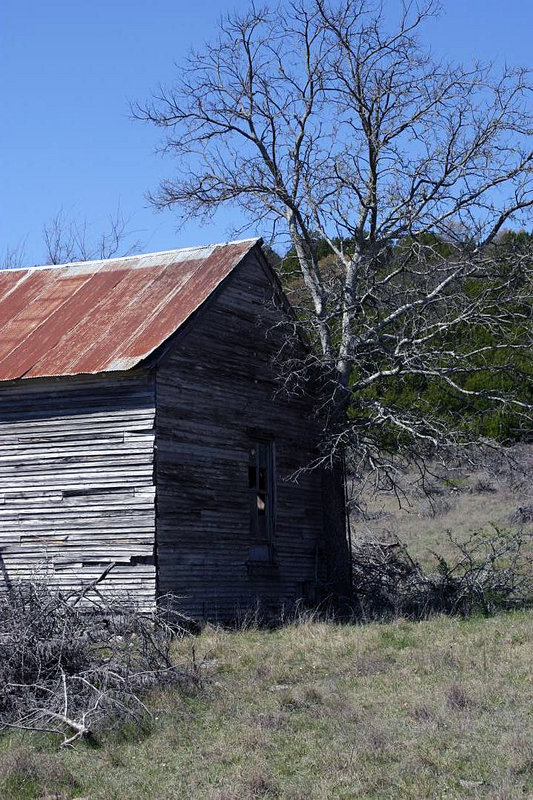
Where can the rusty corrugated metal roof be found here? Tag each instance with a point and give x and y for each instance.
(104, 316)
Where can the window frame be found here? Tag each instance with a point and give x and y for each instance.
(262, 485)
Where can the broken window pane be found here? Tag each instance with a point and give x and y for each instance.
(262, 485)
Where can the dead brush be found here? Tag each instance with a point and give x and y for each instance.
(67, 671)
(491, 571)
(523, 515)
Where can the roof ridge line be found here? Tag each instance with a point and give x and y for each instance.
(133, 255)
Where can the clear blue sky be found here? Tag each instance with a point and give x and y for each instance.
(69, 69)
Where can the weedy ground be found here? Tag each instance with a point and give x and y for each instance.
(457, 501)
(322, 711)
(316, 711)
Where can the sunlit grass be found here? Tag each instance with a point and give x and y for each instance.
(317, 711)
(460, 503)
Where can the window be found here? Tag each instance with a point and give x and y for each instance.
(262, 486)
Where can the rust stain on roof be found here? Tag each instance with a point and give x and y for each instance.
(104, 316)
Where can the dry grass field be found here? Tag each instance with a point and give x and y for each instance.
(460, 502)
(317, 711)
(440, 709)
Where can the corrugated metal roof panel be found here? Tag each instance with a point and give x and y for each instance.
(104, 316)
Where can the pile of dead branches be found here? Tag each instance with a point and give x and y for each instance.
(492, 571)
(67, 671)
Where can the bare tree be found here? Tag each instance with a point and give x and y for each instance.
(13, 257)
(331, 122)
(68, 241)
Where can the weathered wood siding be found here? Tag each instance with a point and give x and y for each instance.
(76, 482)
(215, 398)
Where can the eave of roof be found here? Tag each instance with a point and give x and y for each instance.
(104, 316)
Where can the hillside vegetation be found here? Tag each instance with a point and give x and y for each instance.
(315, 711)
(450, 502)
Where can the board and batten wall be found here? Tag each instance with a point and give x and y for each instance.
(76, 483)
(216, 397)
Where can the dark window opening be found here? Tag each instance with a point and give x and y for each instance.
(262, 485)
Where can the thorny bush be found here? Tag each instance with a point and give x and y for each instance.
(66, 671)
(492, 571)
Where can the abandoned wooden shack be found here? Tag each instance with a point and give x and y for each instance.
(141, 436)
